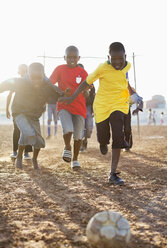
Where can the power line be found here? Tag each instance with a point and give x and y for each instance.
(56, 57)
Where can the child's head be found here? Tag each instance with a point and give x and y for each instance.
(36, 74)
(81, 65)
(72, 56)
(117, 56)
(22, 70)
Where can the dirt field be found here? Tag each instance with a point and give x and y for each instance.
(51, 207)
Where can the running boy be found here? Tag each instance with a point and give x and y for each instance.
(31, 96)
(72, 117)
(22, 71)
(110, 104)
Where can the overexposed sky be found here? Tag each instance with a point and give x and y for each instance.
(30, 27)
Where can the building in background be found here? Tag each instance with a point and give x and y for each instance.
(157, 101)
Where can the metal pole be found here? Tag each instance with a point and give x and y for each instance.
(43, 116)
(134, 70)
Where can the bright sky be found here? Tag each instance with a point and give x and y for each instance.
(30, 27)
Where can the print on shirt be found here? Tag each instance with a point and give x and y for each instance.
(78, 79)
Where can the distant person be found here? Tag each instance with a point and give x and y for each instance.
(110, 104)
(52, 111)
(31, 94)
(22, 71)
(150, 117)
(162, 118)
(154, 117)
(72, 117)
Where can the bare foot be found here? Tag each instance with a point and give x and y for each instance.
(18, 163)
(35, 164)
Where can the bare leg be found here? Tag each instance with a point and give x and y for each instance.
(67, 142)
(115, 160)
(77, 145)
(34, 159)
(18, 162)
(113, 178)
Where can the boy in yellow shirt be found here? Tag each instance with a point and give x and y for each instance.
(111, 103)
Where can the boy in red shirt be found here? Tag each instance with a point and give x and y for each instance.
(69, 76)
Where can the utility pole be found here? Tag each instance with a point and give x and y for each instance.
(134, 70)
(43, 115)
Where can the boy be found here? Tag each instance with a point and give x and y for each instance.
(111, 104)
(89, 96)
(52, 111)
(89, 117)
(31, 94)
(72, 117)
(127, 122)
(22, 71)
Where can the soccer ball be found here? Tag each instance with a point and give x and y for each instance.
(108, 229)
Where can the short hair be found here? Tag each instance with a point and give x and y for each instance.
(72, 48)
(116, 47)
(36, 67)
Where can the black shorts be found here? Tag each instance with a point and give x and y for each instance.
(116, 121)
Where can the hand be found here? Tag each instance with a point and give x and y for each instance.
(85, 93)
(136, 111)
(67, 92)
(68, 100)
(8, 114)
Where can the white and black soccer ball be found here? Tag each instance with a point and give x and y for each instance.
(108, 229)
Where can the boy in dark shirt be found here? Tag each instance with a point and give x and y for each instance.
(22, 71)
(31, 96)
(89, 118)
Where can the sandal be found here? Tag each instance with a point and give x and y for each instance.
(67, 156)
(75, 165)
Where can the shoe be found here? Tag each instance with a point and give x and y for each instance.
(13, 155)
(67, 155)
(114, 179)
(82, 149)
(26, 156)
(48, 137)
(126, 150)
(103, 149)
(75, 165)
(85, 143)
(18, 163)
(83, 146)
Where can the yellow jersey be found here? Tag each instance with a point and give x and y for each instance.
(112, 94)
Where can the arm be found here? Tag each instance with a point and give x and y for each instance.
(131, 91)
(70, 99)
(8, 103)
(57, 90)
(139, 108)
(8, 85)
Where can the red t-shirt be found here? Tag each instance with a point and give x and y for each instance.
(68, 77)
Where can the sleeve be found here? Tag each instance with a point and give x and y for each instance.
(9, 84)
(84, 76)
(55, 76)
(94, 76)
(54, 89)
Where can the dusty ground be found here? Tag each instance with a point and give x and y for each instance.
(52, 207)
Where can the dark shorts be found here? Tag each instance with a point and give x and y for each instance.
(114, 123)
